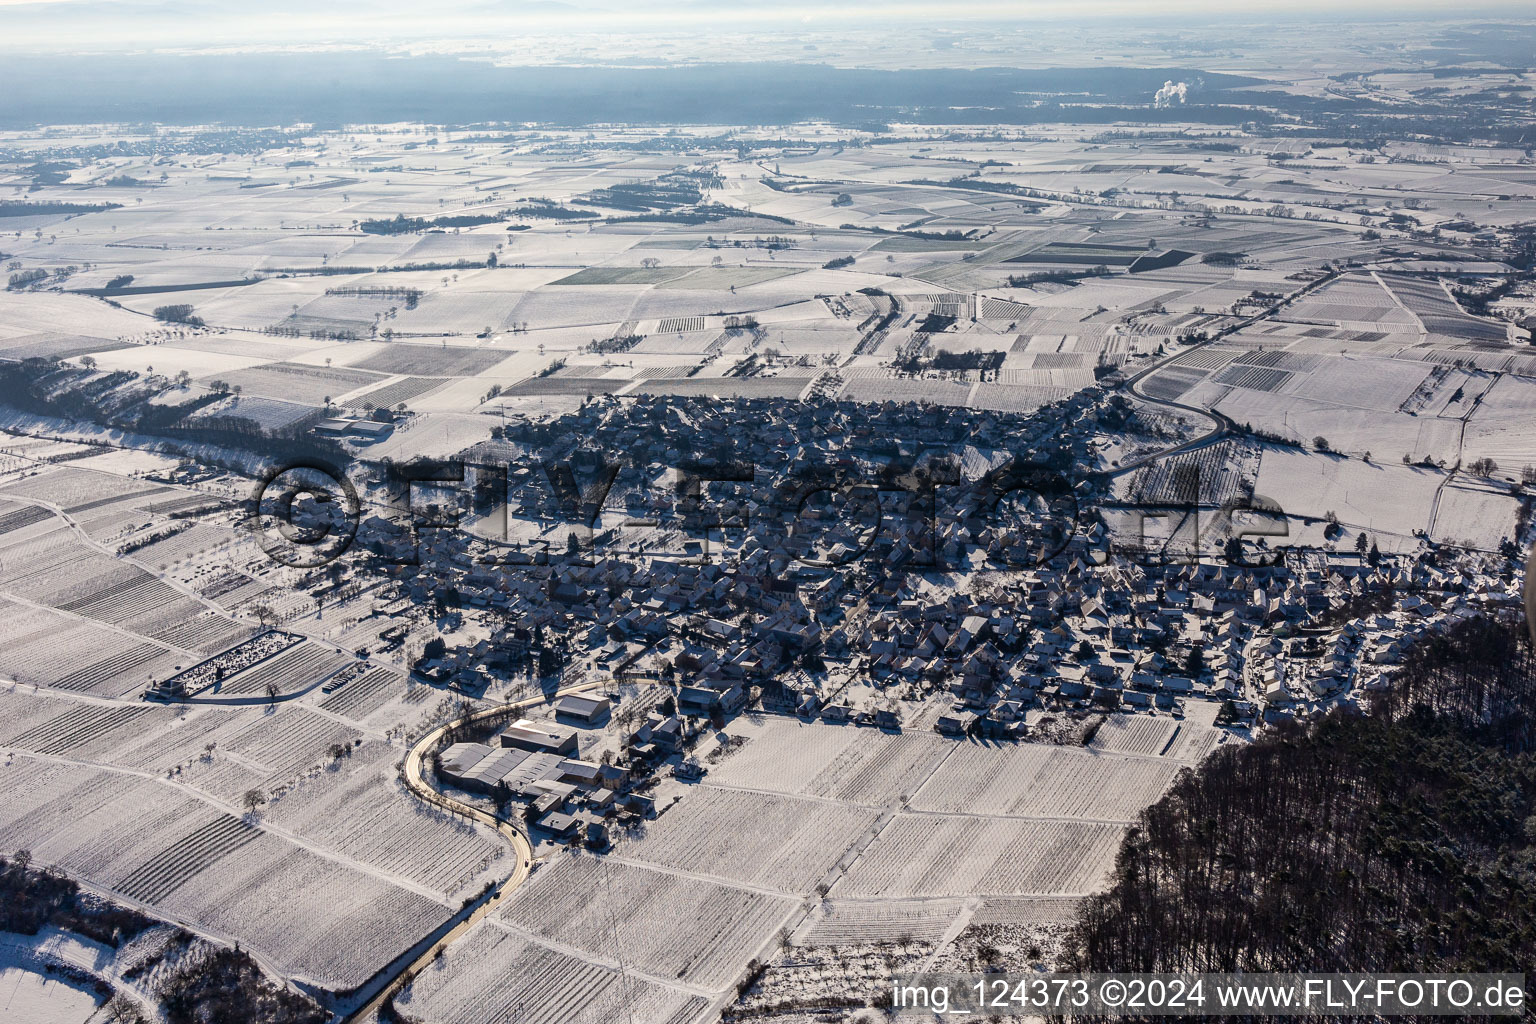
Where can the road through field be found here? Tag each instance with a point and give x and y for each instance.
(1220, 424)
(522, 852)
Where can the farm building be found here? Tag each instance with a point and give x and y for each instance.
(545, 736)
(558, 823)
(368, 430)
(484, 769)
(582, 709)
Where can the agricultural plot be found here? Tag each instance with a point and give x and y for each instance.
(1210, 476)
(268, 749)
(791, 844)
(1291, 362)
(160, 875)
(78, 490)
(364, 695)
(1374, 496)
(269, 414)
(1172, 381)
(1193, 742)
(116, 593)
(1428, 300)
(849, 922)
(948, 855)
(52, 345)
(661, 924)
(1044, 781)
(1014, 397)
(89, 731)
(314, 917)
(857, 766)
(1254, 378)
(391, 395)
(416, 360)
(904, 390)
(1134, 734)
(1363, 382)
(1474, 516)
(1352, 429)
(494, 975)
(295, 382)
(680, 324)
(716, 279)
(1353, 298)
(1010, 910)
(53, 654)
(357, 808)
(122, 671)
(288, 741)
(183, 741)
(1500, 429)
(22, 516)
(206, 633)
(622, 275)
(196, 540)
(570, 386)
(22, 709)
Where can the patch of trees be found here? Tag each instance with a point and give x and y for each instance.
(120, 281)
(1400, 841)
(935, 323)
(641, 196)
(411, 296)
(153, 418)
(403, 225)
(26, 278)
(229, 987)
(703, 214)
(46, 388)
(179, 313)
(972, 359)
(1476, 300)
(22, 208)
(1223, 259)
(1480, 676)
(48, 172)
(838, 263)
(543, 209)
(926, 236)
(1006, 188)
(1056, 276)
(617, 343)
(143, 541)
(35, 898)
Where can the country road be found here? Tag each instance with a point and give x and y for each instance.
(1221, 425)
(522, 852)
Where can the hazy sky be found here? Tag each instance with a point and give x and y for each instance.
(126, 25)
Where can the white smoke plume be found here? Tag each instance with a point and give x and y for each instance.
(1170, 93)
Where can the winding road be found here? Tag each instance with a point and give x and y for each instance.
(400, 975)
(1221, 425)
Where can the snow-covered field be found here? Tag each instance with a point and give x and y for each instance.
(1377, 496)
